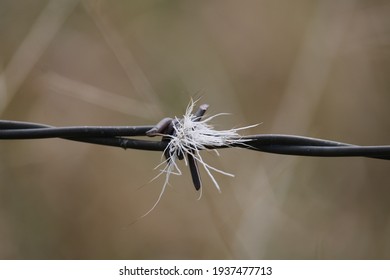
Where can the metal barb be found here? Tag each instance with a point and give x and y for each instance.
(193, 165)
(160, 128)
(165, 127)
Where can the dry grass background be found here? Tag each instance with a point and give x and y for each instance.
(313, 68)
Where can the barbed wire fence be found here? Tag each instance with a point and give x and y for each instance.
(117, 136)
(124, 137)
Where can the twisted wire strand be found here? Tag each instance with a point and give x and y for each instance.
(118, 136)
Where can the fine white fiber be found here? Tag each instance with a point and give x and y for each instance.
(190, 136)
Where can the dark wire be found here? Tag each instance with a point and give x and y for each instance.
(117, 136)
(101, 135)
(307, 146)
(26, 130)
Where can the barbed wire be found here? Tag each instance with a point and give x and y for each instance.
(118, 136)
(186, 137)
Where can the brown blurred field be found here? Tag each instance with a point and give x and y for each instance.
(312, 68)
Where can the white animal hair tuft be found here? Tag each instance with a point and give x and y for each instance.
(190, 137)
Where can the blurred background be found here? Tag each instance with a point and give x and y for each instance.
(312, 68)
